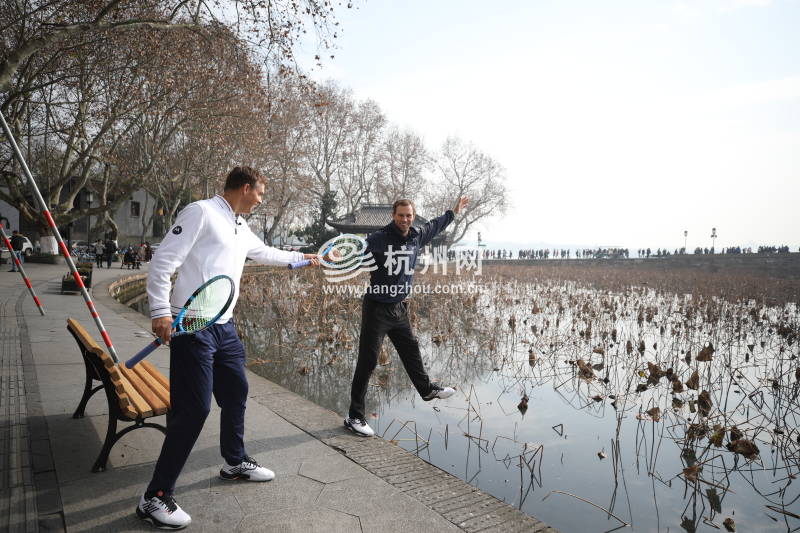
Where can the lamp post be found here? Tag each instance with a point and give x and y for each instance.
(685, 235)
(713, 238)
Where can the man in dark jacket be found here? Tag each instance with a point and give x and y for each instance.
(110, 248)
(17, 244)
(384, 311)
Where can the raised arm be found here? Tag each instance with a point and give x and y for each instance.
(438, 224)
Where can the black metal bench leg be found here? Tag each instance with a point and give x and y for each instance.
(87, 390)
(87, 393)
(111, 438)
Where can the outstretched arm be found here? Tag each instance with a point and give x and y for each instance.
(438, 224)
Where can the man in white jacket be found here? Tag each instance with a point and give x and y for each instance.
(209, 238)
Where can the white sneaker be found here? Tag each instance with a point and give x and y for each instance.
(163, 512)
(248, 470)
(359, 426)
(439, 392)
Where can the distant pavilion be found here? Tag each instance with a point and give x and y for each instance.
(369, 218)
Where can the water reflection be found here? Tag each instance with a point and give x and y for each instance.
(586, 408)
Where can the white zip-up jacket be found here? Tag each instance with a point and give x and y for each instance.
(208, 239)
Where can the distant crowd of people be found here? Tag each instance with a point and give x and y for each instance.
(604, 253)
(760, 250)
(132, 255)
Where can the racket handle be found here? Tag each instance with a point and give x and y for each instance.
(130, 363)
(299, 264)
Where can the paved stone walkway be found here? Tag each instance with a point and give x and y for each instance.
(17, 492)
(327, 480)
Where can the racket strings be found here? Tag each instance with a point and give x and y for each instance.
(206, 305)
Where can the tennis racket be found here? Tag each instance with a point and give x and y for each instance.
(201, 310)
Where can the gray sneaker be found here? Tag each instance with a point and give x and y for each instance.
(439, 392)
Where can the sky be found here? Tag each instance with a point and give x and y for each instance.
(619, 123)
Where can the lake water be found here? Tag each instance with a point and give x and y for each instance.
(590, 429)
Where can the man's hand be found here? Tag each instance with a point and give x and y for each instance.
(162, 327)
(461, 204)
(314, 258)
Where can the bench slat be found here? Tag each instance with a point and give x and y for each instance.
(144, 390)
(153, 384)
(139, 403)
(155, 373)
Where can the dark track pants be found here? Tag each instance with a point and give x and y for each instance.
(377, 321)
(209, 361)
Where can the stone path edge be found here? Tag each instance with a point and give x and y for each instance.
(49, 507)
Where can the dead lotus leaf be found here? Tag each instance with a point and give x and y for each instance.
(584, 370)
(696, 431)
(736, 434)
(691, 472)
(705, 353)
(704, 403)
(744, 447)
(694, 381)
(677, 386)
(729, 524)
(655, 414)
(523, 404)
(628, 347)
(655, 371)
(717, 436)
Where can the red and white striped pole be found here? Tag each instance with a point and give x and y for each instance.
(21, 270)
(61, 245)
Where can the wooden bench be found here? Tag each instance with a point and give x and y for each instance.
(133, 395)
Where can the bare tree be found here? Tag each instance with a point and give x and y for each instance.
(329, 133)
(357, 175)
(404, 163)
(463, 170)
(71, 78)
(284, 135)
(49, 26)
